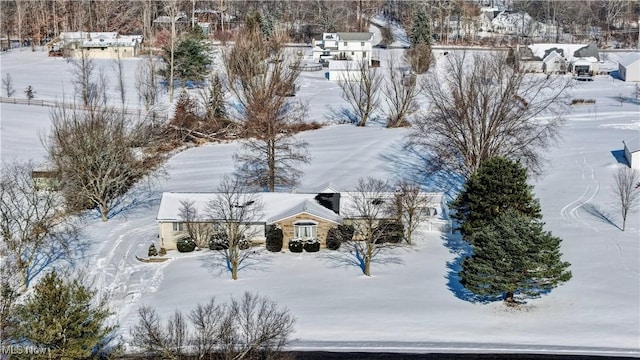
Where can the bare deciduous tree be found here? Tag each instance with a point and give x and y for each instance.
(263, 83)
(147, 82)
(118, 66)
(360, 90)
(411, 206)
(82, 69)
(626, 189)
(253, 327)
(171, 9)
(401, 94)
(368, 205)
(234, 210)
(99, 155)
(480, 107)
(198, 228)
(7, 85)
(36, 231)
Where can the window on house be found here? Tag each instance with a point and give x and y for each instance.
(345, 43)
(352, 53)
(362, 43)
(305, 230)
(178, 226)
(364, 54)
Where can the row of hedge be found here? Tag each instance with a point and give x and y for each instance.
(386, 232)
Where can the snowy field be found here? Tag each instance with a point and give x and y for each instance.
(413, 306)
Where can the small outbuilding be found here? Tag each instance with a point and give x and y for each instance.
(629, 67)
(632, 152)
(554, 63)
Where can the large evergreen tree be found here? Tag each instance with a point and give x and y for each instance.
(419, 56)
(190, 59)
(421, 29)
(513, 255)
(64, 317)
(498, 185)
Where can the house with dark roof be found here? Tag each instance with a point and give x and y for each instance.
(300, 215)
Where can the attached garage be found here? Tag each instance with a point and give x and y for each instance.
(629, 67)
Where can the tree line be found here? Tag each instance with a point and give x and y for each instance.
(38, 21)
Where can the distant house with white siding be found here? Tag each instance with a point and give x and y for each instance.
(554, 63)
(344, 46)
(632, 152)
(629, 67)
(103, 45)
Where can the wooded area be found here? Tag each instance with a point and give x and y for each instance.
(32, 23)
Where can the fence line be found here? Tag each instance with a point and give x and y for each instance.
(50, 103)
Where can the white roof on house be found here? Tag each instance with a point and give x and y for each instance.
(355, 36)
(629, 59)
(632, 144)
(552, 56)
(100, 39)
(273, 203)
(584, 61)
(309, 206)
(568, 49)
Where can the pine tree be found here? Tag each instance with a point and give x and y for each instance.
(421, 30)
(64, 317)
(498, 185)
(512, 256)
(419, 56)
(191, 58)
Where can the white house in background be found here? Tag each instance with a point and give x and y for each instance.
(629, 67)
(109, 45)
(299, 215)
(343, 45)
(554, 63)
(632, 151)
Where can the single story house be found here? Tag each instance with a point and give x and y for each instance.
(632, 152)
(103, 45)
(344, 46)
(299, 215)
(629, 67)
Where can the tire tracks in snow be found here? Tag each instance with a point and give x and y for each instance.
(571, 211)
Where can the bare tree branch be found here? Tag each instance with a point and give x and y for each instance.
(479, 107)
(626, 189)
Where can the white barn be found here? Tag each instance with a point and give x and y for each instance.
(554, 63)
(632, 152)
(629, 67)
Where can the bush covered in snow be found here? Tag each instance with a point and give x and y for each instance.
(186, 244)
(296, 245)
(311, 245)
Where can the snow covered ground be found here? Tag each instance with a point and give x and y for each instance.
(413, 306)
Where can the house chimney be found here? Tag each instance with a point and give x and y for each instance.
(329, 200)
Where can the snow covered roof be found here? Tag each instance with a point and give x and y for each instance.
(355, 36)
(309, 207)
(335, 65)
(99, 39)
(632, 144)
(552, 56)
(570, 51)
(273, 203)
(629, 59)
